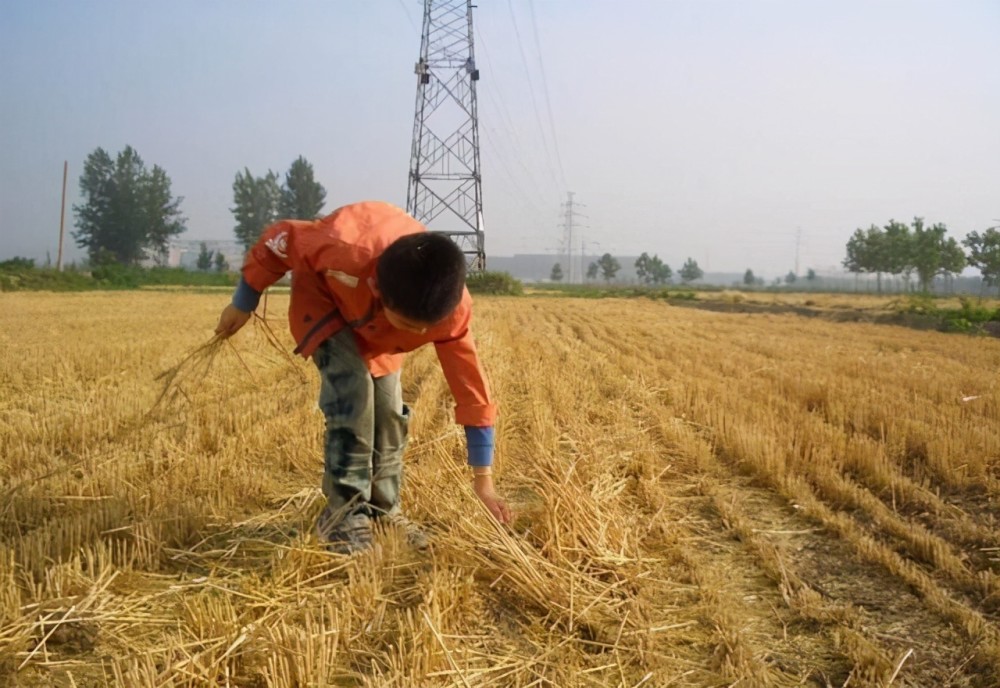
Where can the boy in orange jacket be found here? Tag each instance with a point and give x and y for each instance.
(368, 284)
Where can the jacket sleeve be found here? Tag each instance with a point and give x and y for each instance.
(468, 384)
(285, 245)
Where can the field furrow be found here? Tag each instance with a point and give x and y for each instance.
(702, 499)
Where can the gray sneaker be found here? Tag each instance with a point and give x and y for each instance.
(345, 534)
(415, 535)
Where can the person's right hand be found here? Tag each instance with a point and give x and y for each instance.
(231, 320)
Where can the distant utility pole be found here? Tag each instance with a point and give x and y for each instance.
(62, 217)
(445, 184)
(798, 242)
(570, 214)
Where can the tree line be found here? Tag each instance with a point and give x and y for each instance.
(922, 251)
(916, 253)
(259, 201)
(206, 259)
(129, 214)
(649, 270)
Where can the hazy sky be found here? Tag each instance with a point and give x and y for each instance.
(714, 129)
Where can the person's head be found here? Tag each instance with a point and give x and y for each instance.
(420, 278)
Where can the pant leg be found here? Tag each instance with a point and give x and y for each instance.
(346, 398)
(392, 420)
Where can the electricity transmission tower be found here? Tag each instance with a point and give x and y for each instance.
(445, 183)
(569, 215)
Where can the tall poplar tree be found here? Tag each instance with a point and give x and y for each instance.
(128, 213)
(302, 197)
(255, 205)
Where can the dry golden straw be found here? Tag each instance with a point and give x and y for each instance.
(702, 499)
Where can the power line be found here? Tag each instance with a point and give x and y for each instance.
(500, 153)
(409, 16)
(545, 89)
(531, 90)
(519, 191)
(506, 118)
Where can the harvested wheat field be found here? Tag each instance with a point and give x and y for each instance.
(702, 499)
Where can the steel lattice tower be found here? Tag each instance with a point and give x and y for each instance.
(445, 185)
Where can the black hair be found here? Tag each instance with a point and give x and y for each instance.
(421, 276)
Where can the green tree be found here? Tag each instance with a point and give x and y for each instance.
(221, 264)
(17, 263)
(791, 277)
(592, 270)
(557, 274)
(811, 276)
(953, 258)
(255, 205)
(749, 279)
(609, 266)
(204, 258)
(660, 271)
(162, 216)
(302, 197)
(896, 255)
(691, 272)
(643, 268)
(96, 225)
(869, 251)
(884, 252)
(856, 260)
(984, 254)
(128, 212)
(933, 252)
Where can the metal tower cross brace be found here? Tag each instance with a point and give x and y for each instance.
(445, 185)
(568, 225)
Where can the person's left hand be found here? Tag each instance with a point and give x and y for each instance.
(483, 487)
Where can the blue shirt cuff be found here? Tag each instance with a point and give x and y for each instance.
(246, 297)
(480, 444)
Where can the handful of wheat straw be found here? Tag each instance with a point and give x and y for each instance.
(196, 365)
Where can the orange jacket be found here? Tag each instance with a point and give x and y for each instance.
(332, 261)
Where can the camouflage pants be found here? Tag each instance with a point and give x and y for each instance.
(366, 423)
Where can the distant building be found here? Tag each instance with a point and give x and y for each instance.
(184, 253)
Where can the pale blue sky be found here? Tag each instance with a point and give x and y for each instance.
(708, 128)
